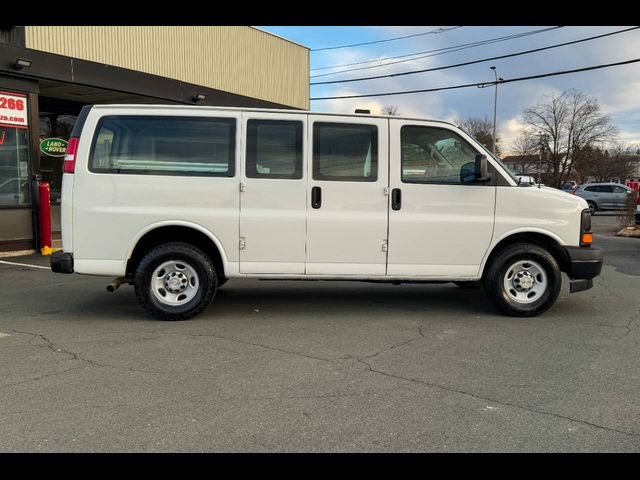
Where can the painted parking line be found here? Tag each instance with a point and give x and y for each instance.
(4, 335)
(25, 265)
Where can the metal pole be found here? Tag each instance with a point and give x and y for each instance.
(495, 109)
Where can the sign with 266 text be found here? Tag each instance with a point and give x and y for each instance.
(13, 110)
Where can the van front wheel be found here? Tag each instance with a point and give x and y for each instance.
(523, 280)
(175, 281)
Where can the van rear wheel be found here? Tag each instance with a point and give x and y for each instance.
(523, 280)
(175, 281)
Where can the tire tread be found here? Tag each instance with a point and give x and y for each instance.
(492, 279)
(172, 247)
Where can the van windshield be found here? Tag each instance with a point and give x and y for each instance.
(505, 167)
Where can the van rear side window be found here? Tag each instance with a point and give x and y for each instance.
(158, 145)
(274, 149)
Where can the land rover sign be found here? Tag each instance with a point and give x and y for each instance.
(54, 147)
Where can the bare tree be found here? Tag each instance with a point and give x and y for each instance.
(481, 129)
(626, 218)
(525, 146)
(391, 110)
(603, 165)
(564, 127)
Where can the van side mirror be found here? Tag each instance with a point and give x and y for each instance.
(482, 171)
(468, 173)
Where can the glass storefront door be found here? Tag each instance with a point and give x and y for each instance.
(14, 151)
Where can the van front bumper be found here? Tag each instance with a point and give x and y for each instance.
(61, 262)
(585, 263)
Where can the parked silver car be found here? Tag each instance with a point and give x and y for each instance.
(604, 196)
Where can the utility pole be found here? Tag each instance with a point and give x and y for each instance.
(495, 104)
(495, 109)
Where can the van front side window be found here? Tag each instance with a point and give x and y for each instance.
(164, 145)
(345, 152)
(435, 155)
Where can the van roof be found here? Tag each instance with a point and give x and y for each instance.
(274, 110)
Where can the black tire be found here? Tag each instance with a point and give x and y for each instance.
(500, 267)
(593, 208)
(469, 285)
(201, 264)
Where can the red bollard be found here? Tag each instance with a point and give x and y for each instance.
(44, 218)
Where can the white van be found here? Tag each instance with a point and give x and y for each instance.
(177, 199)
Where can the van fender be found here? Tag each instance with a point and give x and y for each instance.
(514, 231)
(180, 223)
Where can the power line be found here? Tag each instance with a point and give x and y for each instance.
(525, 52)
(519, 79)
(436, 31)
(443, 50)
(479, 42)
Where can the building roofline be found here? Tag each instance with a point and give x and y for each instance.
(278, 36)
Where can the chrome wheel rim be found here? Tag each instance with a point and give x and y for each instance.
(525, 281)
(174, 283)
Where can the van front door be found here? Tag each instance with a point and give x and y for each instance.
(441, 219)
(273, 192)
(346, 202)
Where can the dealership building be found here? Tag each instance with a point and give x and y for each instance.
(47, 74)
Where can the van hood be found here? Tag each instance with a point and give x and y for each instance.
(560, 195)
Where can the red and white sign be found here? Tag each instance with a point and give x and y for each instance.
(13, 110)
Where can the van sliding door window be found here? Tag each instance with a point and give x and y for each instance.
(159, 145)
(436, 155)
(274, 149)
(345, 152)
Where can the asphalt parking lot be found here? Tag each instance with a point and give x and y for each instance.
(314, 366)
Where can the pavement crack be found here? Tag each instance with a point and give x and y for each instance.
(35, 379)
(499, 402)
(74, 356)
(260, 345)
(628, 326)
(321, 396)
(305, 355)
(49, 344)
(611, 294)
(396, 345)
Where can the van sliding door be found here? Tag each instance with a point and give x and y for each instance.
(347, 202)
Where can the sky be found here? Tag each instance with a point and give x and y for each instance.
(617, 89)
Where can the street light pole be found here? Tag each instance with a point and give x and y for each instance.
(495, 109)
(495, 105)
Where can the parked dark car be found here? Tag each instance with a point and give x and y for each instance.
(604, 196)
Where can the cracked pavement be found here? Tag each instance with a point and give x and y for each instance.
(315, 366)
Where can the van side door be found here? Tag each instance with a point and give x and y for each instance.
(441, 219)
(273, 217)
(347, 195)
